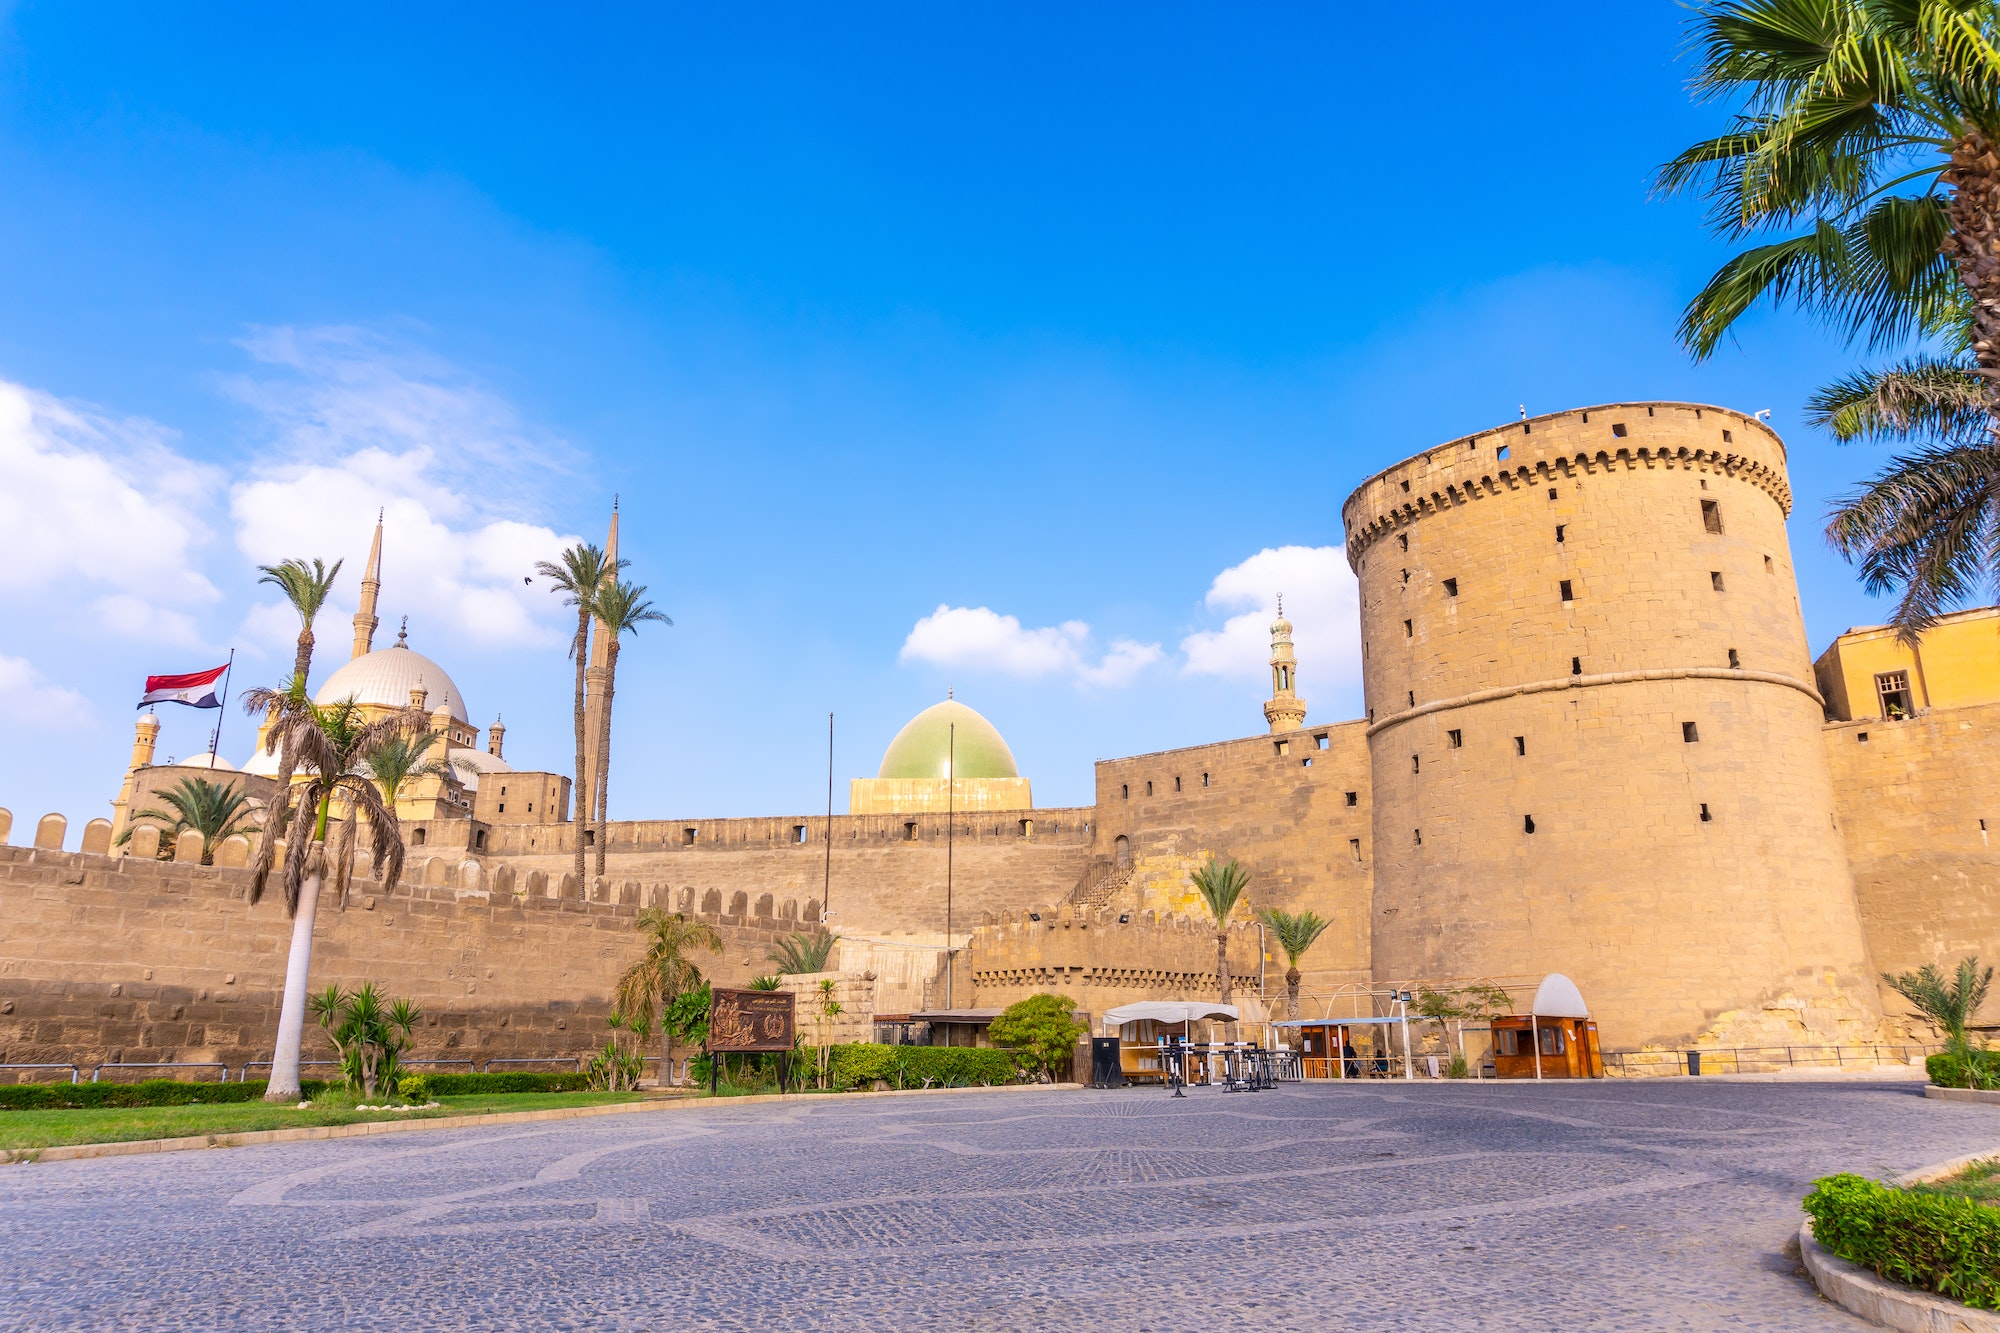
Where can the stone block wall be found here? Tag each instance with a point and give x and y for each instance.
(1293, 809)
(1918, 803)
(109, 958)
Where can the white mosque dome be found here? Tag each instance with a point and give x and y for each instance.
(206, 761)
(386, 676)
(479, 762)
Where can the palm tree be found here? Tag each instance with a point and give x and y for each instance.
(326, 743)
(306, 588)
(1295, 934)
(665, 973)
(1869, 138)
(1221, 884)
(1948, 1004)
(577, 575)
(803, 951)
(621, 608)
(216, 810)
(404, 758)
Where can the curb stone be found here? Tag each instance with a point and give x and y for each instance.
(1891, 1304)
(1935, 1093)
(252, 1138)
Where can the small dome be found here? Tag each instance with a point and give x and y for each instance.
(203, 761)
(386, 676)
(479, 762)
(927, 748)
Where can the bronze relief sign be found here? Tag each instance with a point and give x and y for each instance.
(750, 1020)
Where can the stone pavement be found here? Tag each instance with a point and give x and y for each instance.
(1620, 1205)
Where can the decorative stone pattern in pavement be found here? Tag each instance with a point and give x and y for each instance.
(1658, 1205)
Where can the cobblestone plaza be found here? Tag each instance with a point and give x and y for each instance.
(1626, 1205)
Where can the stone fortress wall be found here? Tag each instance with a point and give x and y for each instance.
(1708, 857)
(1593, 728)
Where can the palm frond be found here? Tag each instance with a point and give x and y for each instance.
(1919, 397)
(1294, 931)
(1220, 884)
(1928, 525)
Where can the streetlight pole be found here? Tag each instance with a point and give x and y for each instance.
(950, 834)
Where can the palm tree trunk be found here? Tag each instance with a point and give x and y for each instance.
(604, 750)
(1222, 972)
(1973, 179)
(581, 808)
(1292, 979)
(284, 1085)
(302, 660)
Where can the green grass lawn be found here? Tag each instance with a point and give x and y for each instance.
(48, 1129)
(1979, 1182)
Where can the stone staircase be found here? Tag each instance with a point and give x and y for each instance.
(1100, 885)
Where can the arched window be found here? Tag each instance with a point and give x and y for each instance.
(1123, 850)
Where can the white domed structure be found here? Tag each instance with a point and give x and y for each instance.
(946, 741)
(386, 677)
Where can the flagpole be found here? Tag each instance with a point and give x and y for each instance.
(215, 737)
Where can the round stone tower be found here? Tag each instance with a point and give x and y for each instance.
(1593, 730)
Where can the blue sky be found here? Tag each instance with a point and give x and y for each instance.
(1020, 350)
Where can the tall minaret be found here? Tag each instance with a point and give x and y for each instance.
(144, 737)
(595, 678)
(1285, 710)
(371, 586)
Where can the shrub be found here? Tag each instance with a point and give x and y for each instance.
(1039, 1030)
(859, 1064)
(1965, 1069)
(152, 1092)
(414, 1087)
(479, 1085)
(1937, 1242)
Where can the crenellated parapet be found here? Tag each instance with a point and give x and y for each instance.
(1104, 956)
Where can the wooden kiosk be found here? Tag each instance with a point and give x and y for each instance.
(1554, 1039)
(1140, 1026)
(1324, 1042)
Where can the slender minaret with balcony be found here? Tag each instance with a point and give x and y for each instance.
(371, 587)
(1284, 710)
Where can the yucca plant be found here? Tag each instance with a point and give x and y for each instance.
(369, 1034)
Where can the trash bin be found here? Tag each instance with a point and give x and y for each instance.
(1694, 1063)
(1106, 1071)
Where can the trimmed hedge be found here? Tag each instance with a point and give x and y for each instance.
(1974, 1069)
(152, 1092)
(476, 1085)
(860, 1064)
(1935, 1242)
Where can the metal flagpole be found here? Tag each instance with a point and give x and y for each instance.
(215, 737)
(950, 832)
(826, 889)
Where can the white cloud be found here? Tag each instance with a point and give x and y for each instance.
(1321, 601)
(137, 618)
(982, 639)
(26, 697)
(103, 502)
(360, 425)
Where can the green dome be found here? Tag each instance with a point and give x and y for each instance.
(927, 748)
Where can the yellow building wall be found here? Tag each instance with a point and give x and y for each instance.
(1955, 664)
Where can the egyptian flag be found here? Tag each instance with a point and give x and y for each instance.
(196, 689)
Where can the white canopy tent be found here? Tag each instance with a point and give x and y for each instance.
(1168, 1011)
